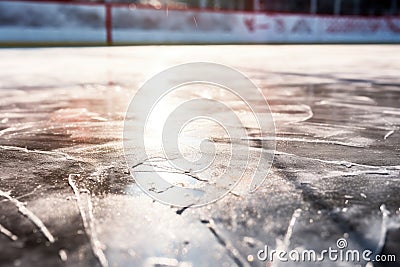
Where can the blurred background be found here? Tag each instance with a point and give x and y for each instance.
(337, 7)
(121, 22)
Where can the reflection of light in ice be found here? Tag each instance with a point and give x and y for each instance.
(195, 133)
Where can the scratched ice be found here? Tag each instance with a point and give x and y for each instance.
(67, 196)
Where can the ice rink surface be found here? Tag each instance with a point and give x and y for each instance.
(67, 197)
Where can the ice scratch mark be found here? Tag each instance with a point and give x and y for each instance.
(188, 174)
(24, 149)
(100, 172)
(30, 215)
(388, 134)
(289, 232)
(392, 112)
(11, 129)
(160, 261)
(153, 189)
(180, 211)
(233, 253)
(154, 159)
(368, 107)
(348, 164)
(384, 229)
(195, 21)
(309, 116)
(283, 245)
(25, 195)
(88, 220)
(392, 130)
(8, 233)
(63, 255)
(159, 168)
(302, 140)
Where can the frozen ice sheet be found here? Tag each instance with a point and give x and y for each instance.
(335, 173)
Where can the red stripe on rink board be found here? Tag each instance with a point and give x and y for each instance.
(108, 24)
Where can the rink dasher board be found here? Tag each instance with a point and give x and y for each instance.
(30, 22)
